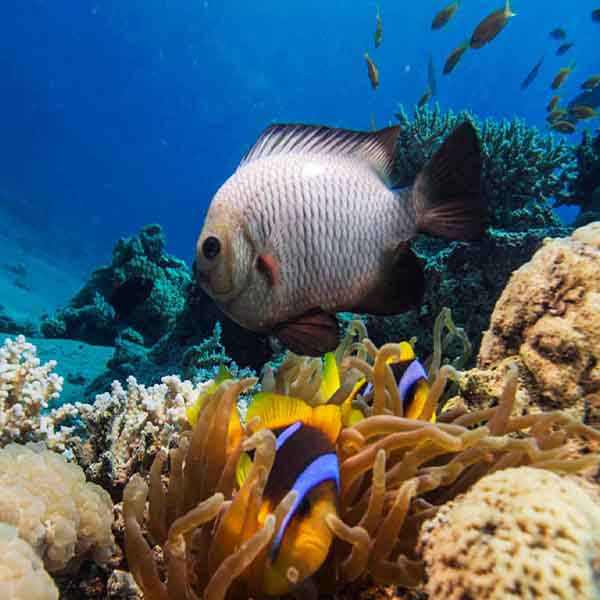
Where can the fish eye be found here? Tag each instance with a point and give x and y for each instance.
(211, 247)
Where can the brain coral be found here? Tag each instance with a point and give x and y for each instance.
(52, 507)
(518, 533)
(22, 574)
(549, 315)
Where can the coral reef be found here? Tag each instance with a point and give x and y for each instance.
(26, 387)
(522, 172)
(120, 433)
(518, 533)
(63, 518)
(394, 474)
(584, 190)
(22, 574)
(522, 169)
(136, 261)
(549, 316)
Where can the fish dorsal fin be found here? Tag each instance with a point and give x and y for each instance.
(331, 376)
(277, 410)
(327, 418)
(378, 148)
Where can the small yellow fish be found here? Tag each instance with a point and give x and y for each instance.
(558, 34)
(454, 57)
(378, 35)
(424, 98)
(491, 26)
(591, 82)
(563, 127)
(444, 15)
(582, 112)
(556, 115)
(553, 103)
(372, 71)
(561, 76)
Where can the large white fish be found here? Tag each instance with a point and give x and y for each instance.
(308, 226)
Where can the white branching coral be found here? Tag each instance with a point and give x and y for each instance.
(22, 573)
(518, 533)
(125, 428)
(26, 386)
(52, 507)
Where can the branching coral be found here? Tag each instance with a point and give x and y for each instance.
(517, 533)
(120, 433)
(395, 472)
(22, 574)
(26, 387)
(48, 501)
(521, 168)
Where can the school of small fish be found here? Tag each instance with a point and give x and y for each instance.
(562, 120)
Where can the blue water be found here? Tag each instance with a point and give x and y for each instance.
(124, 112)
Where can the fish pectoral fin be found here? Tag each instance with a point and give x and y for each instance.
(447, 192)
(268, 265)
(400, 288)
(312, 334)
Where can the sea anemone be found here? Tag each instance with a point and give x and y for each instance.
(395, 473)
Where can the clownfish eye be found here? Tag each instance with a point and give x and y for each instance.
(211, 247)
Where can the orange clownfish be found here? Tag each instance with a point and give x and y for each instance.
(306, 462)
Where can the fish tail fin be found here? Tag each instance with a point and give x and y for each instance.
(447, 194)
(507, 12)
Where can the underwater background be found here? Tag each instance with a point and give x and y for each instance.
(116, 114)
(151, 447)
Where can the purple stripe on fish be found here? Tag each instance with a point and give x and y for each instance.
(324, 468)
(413, 373)
(286, 433)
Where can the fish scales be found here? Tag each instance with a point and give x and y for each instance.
(307, 226)
(314, 197)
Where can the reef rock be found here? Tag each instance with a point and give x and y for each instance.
(549, 317)
(143, 287)
(518, 533)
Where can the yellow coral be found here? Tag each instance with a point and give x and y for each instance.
(518, 533)
(53, 508)
(22, 574)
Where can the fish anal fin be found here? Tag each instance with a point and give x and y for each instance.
(447, 192)
(400, 287)
(312, 334)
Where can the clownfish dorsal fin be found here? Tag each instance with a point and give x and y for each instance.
(242, 468)
(193, 411)
(327, 418)
(331, 376)
(276, 410)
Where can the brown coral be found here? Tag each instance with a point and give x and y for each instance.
(549, 316)
(518, 533)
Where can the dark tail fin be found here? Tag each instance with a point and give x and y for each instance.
(447, 192)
